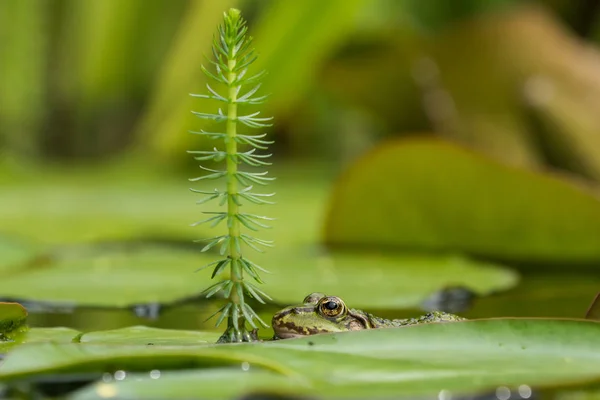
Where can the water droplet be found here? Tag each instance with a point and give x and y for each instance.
(444, 395)
(503, 393)
(525, 391)
(120, 375)
(155, 374)
(245, 366)
(107, 377)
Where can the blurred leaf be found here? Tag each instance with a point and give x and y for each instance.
(594, 310)
(168, 117)
(12, 322)
(437, 15)
(14, 252)
(414, 361)
(123, 201)
(568, 126)
(118, 277)
(126, 276)
(373, 68)
(108, 52)
(110, 206)
(433, 196)
(23, 49)
(470, 81)
(292, 41)
(488, 65)
(375, 280)
(143, 335)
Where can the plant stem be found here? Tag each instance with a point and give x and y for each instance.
(232, 207)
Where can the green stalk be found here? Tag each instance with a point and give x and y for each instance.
(232, 207)
(232, 57)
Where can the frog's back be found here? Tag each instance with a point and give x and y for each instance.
(430, 317)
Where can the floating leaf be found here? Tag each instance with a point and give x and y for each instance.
(460, 358)
(149, 336)
(123, 276)
(12, 317)
(41, 335)
(433, 196)
(142, 274)
(117, 277)
(379, 281)
(215, 383)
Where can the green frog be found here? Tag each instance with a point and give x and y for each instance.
(323, 314)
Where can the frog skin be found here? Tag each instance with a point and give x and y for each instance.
(324, 314)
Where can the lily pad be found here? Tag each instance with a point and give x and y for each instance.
(459, 357)
(378, 280)
(118, 277)
(12, 318)
(145, 335)
(215, 383)
(123, 276)
(41, 335)
(433, 196)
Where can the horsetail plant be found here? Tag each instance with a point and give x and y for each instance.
(232, 57)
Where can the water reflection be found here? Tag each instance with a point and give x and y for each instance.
(148, 311)
(451, 299)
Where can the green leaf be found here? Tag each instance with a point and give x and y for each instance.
(111, 277)
(374, 280)
(421, 360)
(283, 26)
(12, 318)
(56, 358)
(41, 335)
(143, 335)
(215, 383)
(137, 274)
(54, 335)
(433, 196)
(169, 112)
(14, 253)
(593, 312)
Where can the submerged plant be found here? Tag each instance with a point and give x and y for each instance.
(232, 57)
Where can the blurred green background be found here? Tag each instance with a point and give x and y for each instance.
(375, 103)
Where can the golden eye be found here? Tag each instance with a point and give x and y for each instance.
(313, 298)
(331, 307)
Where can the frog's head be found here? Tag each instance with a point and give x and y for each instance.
(317, 314)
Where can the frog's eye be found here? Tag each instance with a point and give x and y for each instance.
(331, 307)
(313, 298)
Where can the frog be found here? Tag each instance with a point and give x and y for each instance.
(320, 313)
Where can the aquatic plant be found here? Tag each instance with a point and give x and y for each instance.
(233, 55)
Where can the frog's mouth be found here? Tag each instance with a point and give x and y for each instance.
(282, 332)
